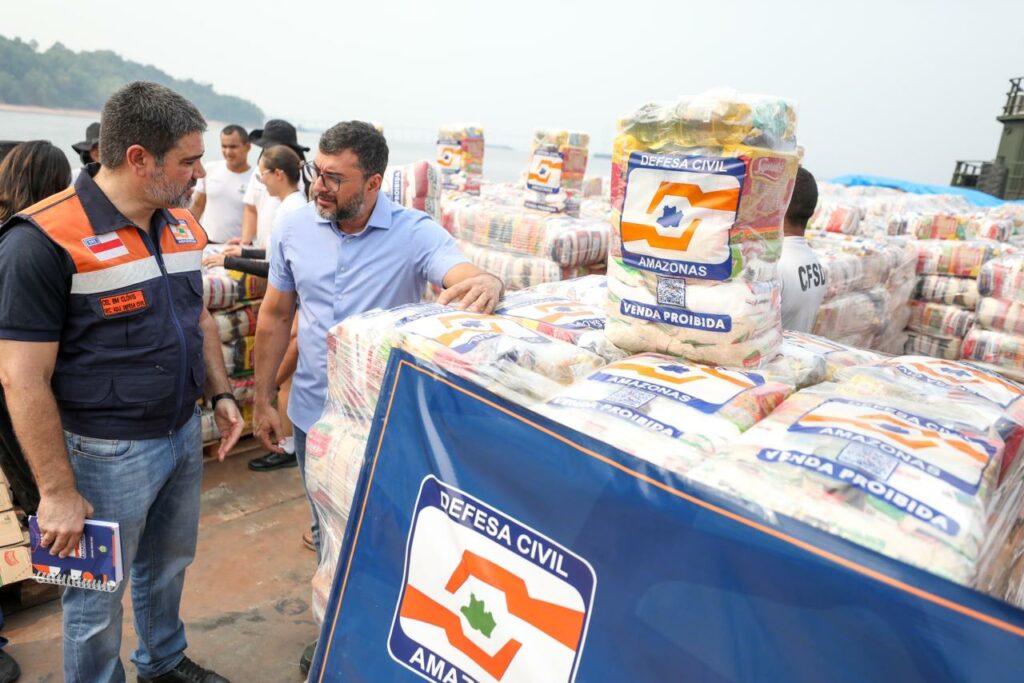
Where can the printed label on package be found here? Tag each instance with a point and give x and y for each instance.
(678, 213)
(702, 388)
(463, 332)
(913, 440)
(485, 598)
(562, 313)
(712, 322)
(545, 174)
(953, 375)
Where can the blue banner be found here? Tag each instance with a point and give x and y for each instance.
(487, 544)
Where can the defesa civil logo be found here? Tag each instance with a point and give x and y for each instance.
(487, 599)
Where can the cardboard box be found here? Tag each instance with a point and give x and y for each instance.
(10, 529)
(15, 564)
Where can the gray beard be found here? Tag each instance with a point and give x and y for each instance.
(167, 195)
(342, 213)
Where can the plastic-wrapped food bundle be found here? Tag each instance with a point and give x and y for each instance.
(558, 162)
(239, 356)
(566, 241)
(876, 471)
(939, 320)
(518, 271)
(961, 259)
(575, 322)
(460, 155)
(1001, 350)
(950, 226)
(944, 289)
(1001, 315)
(835, 355)
(589, 289)
(692, 265)
(664, 411)
(208, 425)
(936, 347)
(735, 323)
(1003, 278)
(496, 353)
(220, 290)
(416, 186)
(857, 315)
(237, 322)
(841, 218)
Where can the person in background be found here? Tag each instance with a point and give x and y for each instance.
(350, 251)
(258, 215)
(88, 149)
(801, 276)
(31, 172)
(280, 172)
(6, 146)
(218, 200)
(101, 396)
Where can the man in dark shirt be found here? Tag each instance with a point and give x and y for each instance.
(105, 346)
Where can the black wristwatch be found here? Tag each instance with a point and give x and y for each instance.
(227, 395)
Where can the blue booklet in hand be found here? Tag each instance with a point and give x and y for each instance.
(94, 564)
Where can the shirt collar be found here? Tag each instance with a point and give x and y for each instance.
(380, 217)
(103, 215)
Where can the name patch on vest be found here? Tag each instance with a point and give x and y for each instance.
(123, 303)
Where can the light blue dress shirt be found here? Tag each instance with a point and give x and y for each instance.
(336, 275)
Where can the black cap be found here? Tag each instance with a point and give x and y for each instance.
(92, 137)
(276, 132)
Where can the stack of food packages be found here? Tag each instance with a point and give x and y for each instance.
(868, 283)
(233, 300)
(525, 247)
(558, 163)
(870, 211)
(699, 192)
(460, 155)
(998, 336)
(416, 186)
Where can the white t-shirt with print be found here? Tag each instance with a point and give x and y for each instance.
(224, 189)
(803, 284)
(266, 205)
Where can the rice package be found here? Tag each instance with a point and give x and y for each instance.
(936, 347)
(518, 271)
(460, 155)
(237, 322)
(558, 163)
(1001, 350)
(960, 259)
(665, 411)
(1001, 315)
(239, 355)
(699, 192)
(1003, 278)
(810, 349)
(877, 471)
(839, 218)
(220, 290)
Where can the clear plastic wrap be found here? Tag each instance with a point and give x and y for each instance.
(936, 347)
(939, 320)
(857, 314)
(558, 162)
(568, 242)
(589, 289)
(1001, 315)
(847, 466)
(220, 290)
(578, 323)
(834, 354)
(691, 266)
(961, 259)
(951, 226)
(840, 218)
(518, 271)
(494, 352)
(460, 155)
(416, 186)
(237, 322)
(239, 356)
(1001, 350)
(945, 289)
(1003, 278)
(670, 413)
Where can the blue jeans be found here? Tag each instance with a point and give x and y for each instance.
(151, 488)
(300, 456)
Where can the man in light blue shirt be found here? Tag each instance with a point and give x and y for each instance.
(348, 251)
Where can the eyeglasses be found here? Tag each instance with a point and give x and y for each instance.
(261, 173)
(332, 181)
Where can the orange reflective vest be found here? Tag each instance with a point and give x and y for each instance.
(130, 359)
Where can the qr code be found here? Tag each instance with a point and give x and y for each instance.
(630, 398)
(672, 291)
(872, 462)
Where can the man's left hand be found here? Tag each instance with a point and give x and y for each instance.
(230, 423)
(477, 294)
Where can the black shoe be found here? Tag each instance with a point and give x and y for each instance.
(273, 461)
(187, 671)
(306, 660)
(9, 669)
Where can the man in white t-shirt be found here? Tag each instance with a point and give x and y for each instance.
(260, 207)
(218, 196)
(800, 271)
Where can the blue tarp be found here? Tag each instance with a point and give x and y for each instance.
(976, 197)
(488, 544)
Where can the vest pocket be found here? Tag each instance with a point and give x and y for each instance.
(149, 397)
(75, 391)
(124, 319)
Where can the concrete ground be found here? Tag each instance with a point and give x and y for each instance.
(247, 596)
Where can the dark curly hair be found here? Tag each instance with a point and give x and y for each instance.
(365, 141)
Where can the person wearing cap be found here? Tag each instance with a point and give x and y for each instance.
(88, 149)
(260, 205)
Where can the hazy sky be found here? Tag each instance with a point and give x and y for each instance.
(899, 88)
